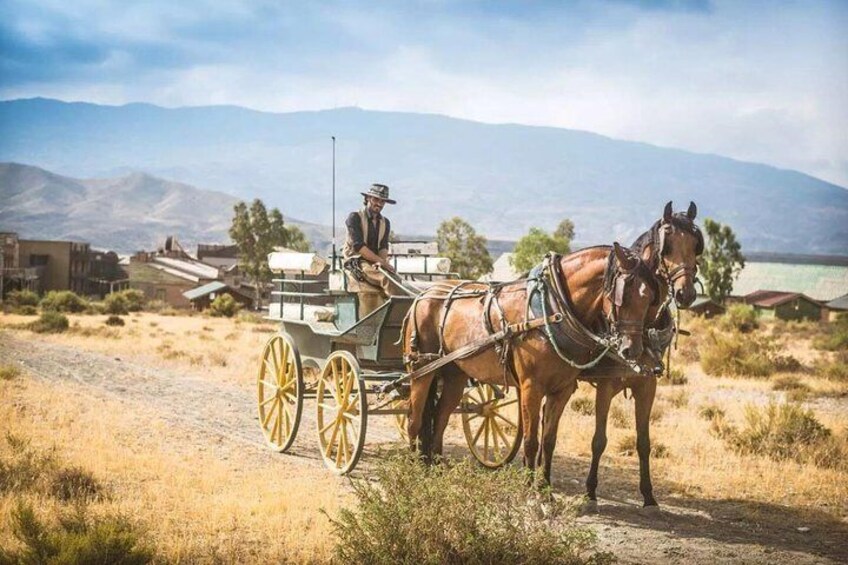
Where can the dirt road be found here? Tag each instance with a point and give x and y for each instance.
(221, 417)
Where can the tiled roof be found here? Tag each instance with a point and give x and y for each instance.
(772, 298)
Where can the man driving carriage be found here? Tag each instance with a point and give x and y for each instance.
(366, 251)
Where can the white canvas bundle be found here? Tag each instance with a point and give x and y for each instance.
(436, 265)
(288, 261)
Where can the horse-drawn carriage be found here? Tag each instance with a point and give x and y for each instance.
(325, 352)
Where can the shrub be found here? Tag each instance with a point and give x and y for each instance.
(413, 513)
(836, 370)
(114, 320)
(620, 417)
(74, 483)
(116, 303)
(739, 317)
(9, 372)
(789, 382)
(25, 468)
(50, 321)
(711, 412)
(25, 310)
(737, 355)
(77, 538)
(678, 399)
(63, 301)
(673, 377)
(584, 405)
(18, 298)
(627, 447)
(779, 431)
(835, 336)
(135, 299)
(155, 305)
(224, 306)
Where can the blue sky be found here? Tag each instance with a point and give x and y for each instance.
(760, 81)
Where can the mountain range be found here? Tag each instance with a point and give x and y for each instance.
(502, 178)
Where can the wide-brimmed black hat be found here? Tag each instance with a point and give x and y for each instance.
(380, 191)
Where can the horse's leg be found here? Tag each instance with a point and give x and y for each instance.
(604, 394)
(453, 387)
(554, 405)
(531, 404)
(643, 395)
(419, 424)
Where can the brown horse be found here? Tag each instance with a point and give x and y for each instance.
(671, 248)
(599, 285)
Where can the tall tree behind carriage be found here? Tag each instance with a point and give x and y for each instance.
(722, 260)
(459, 242)
(257, 232)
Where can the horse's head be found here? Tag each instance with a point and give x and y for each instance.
(677, 243)
(630, 290)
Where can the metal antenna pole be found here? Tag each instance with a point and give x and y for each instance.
(334, 202)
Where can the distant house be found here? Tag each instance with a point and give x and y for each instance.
(201, 297)
(167, 274)
(706, 307)
(786, 305)
(837, 306)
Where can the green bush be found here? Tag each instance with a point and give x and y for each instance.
(224, 306)
(116, 303)
(50, 322)
(739, 317)
(627, 447)
(135, 299)
(673, 377)
(711, 412)
(780, 432)
(18, 298)
(25, 310)
(737, 355)
(9, 372)
(836, 370)
(835, 336)
(63, 301)
(584, 405)
(114, 320)
(457, 513)
(77, 538)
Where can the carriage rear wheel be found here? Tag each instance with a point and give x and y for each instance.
(491, 422)
(342, 412)
(280, 392)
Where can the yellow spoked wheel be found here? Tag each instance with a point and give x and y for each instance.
(342, 412)
(491, 423)
(280, 392)
(401, 420)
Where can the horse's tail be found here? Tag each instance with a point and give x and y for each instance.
(428, 422)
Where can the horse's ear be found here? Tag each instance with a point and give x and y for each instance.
(667, 212)
(692, 211)
(625, 262)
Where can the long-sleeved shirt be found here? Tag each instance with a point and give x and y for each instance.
(354, 230)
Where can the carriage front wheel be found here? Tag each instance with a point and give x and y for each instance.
(491, 422)
(280, 390)
(342, 412)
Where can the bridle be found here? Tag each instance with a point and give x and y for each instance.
(671, 276)
(615, 286)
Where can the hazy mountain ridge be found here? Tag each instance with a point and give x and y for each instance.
(502, 178)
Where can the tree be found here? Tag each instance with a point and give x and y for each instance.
(532, 247)
(722, 260)
(467, 251)
(257, 232)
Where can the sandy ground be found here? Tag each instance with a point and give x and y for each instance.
(208, 415)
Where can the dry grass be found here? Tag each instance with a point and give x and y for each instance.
(252, 507)
(196, 506)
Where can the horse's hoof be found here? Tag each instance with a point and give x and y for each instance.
(591, 507)
(652, 510)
